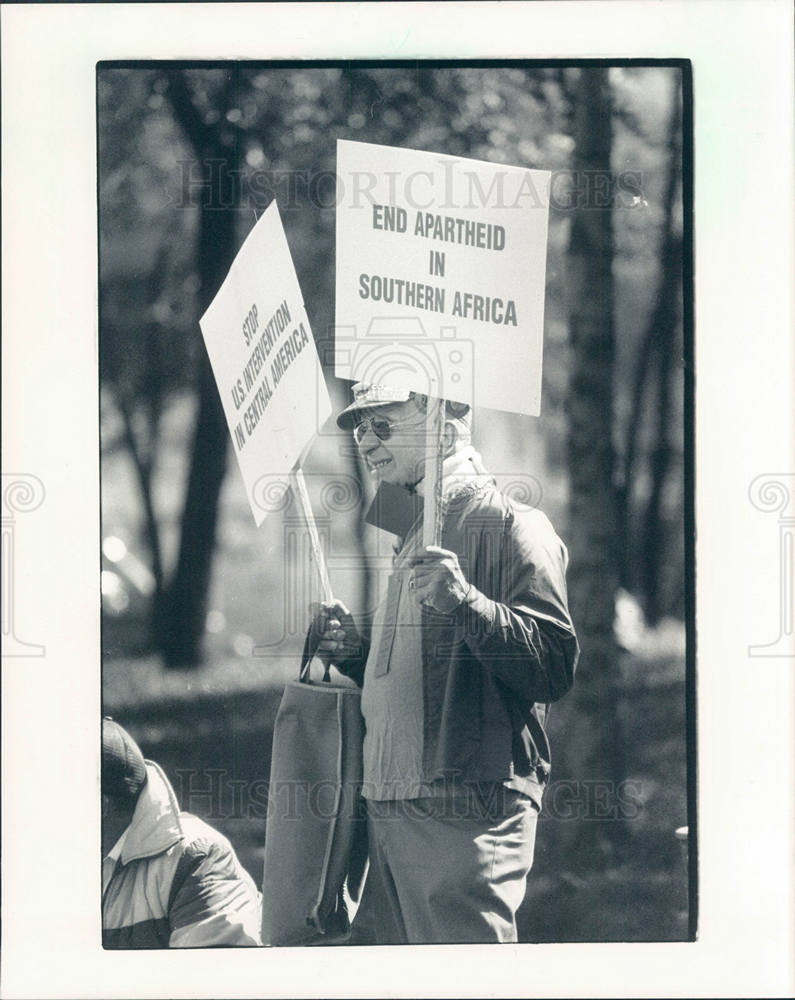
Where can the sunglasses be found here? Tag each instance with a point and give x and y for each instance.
(380, 426)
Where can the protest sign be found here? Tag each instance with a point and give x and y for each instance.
(440, 275)
(264, 359)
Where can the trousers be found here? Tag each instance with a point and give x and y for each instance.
(447, 869)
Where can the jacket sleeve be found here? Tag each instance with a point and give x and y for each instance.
(520, 629)
(213, 900)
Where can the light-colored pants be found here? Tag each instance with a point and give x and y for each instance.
(446, 869)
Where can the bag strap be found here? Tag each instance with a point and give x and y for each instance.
(311, 643)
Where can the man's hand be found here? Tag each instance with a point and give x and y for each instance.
(436, 579)
(339, 637)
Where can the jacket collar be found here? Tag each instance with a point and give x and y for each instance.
(463, 476)
(156, 823)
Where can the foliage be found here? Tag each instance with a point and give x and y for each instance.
(279, 128)
(188, 159)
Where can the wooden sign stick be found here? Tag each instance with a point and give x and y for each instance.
(434, 456)
(298, 484)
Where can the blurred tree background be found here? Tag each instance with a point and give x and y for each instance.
(203, 615)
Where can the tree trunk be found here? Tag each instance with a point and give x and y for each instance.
(653, 542)
(664, 323)
(596, 751)
(640, 562)
(180, 618)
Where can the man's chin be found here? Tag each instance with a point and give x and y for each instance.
(383, 473)
(390, 473)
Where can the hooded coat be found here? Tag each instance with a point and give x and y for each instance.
(178, 882)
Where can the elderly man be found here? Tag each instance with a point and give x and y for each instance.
(470, 644)
(168, 879)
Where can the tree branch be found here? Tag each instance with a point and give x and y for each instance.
(143, 469)
(199, 135)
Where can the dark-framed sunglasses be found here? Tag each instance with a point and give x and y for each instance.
(380, 426)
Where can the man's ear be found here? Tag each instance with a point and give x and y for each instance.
(449, 438)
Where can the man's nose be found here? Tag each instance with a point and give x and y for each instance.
(368, 439)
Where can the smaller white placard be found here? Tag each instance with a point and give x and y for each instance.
(265, 362)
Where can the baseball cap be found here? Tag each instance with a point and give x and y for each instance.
(123, 766)
(368, 396)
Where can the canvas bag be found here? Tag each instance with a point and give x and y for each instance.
(316, 833)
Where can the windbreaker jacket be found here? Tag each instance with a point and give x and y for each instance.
(491, 669)
(178, 882)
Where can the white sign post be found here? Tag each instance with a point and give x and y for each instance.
(263, 355)
(434, 456)
(301, 493)
(441, 265)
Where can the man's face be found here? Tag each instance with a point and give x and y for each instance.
(109, 825)
(400, 457)
(115, 820)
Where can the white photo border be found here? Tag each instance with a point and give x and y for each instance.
(742, 57)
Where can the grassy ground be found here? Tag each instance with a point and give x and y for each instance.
(593, 879)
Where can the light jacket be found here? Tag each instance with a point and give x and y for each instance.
(178, 882)
(491, 669)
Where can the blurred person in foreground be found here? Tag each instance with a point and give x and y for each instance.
(469, 646)
(168, 879)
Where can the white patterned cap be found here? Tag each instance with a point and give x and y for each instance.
(368, 396)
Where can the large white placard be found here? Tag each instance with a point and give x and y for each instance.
(265, 362)
(440, 275)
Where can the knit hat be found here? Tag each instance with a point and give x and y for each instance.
(123, 767)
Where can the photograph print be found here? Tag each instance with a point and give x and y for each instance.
(395, 365)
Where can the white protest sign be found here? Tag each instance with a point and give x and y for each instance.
(441, 267)
(265, 362)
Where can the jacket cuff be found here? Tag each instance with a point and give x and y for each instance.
(477, 613)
